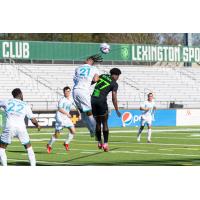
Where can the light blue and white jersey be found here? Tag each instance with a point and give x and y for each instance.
(65, 104)
(150, 105)
(83, 76)
(16, 111)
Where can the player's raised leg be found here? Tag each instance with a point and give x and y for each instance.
(89, 121)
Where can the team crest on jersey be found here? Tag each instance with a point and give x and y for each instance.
(127, 119)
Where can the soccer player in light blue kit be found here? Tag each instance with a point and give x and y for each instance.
(85, 75)
(16, 110)
(148, 108)
(63, 119)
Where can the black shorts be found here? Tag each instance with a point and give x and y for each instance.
(99, 108)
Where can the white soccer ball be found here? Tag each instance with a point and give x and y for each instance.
(105, 48)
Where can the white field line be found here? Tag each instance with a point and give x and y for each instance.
(194, 135)
(113, 136)
(126, 131)
(181, 148)
(86, 142)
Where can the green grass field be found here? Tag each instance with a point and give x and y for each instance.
(176, 146)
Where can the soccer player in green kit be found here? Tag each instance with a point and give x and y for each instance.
(106, 84)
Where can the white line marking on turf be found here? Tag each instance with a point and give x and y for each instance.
(194, 135)
(189, 149)
(126, 131)
(116, 142)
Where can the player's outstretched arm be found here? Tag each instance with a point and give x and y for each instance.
(115, 104)
(35, 122)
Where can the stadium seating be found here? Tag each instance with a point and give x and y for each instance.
(42, 84)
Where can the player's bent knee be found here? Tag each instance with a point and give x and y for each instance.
(28, 145)
(72, 131)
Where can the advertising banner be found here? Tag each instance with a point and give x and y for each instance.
(131, 118)
(186, 117)
(161, 53)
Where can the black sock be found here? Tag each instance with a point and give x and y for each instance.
(105, 135)
(98, 135)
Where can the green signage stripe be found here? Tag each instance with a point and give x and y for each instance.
(32, 50)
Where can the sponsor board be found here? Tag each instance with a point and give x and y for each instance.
(132, 118)
(186, 117)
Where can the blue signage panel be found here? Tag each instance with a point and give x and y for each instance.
(132, 118)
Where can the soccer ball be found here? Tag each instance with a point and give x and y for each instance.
(105, 48)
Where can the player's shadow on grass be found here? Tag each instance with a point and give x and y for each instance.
(180, 162)
(86, 156)
(169, 162)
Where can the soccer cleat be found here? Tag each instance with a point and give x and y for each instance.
(138, 139)
(100, 145)
(66, 146)
(105, 147)
(149, 141)
(49, 148)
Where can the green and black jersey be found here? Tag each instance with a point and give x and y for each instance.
(103, 87)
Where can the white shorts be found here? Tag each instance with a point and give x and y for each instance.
(60, 123)
(19, 132)
(82, 100)
(146, 121)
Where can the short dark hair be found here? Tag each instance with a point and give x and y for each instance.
(16, 92)
(115, 71)
(150, 94)
(66, 88)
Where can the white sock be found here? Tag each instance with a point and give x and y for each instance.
(70, 138)
(149, 134)
(3, 157)
(31, 156)
(52, 140)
